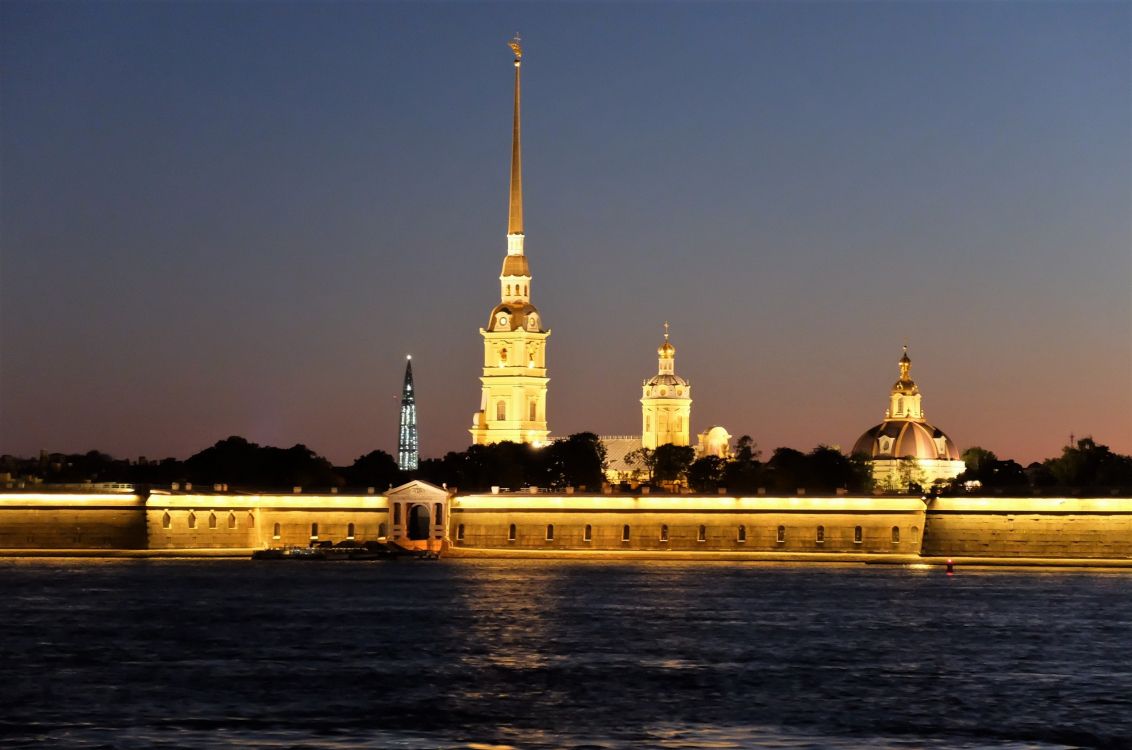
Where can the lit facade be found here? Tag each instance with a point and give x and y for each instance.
(514, 380)
(408, 449)
(666, 402)
(905, 449)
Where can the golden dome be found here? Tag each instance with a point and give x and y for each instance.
(666, 350)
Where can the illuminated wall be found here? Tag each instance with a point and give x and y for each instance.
(686, 523)
(1030, 527)
(43, 520)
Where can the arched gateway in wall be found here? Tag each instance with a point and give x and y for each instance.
(418, 512)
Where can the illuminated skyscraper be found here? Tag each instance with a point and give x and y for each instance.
(408, 454)
(513, 400)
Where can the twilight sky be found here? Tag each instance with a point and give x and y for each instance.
(237, 218)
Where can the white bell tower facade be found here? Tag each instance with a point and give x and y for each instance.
(513, 399)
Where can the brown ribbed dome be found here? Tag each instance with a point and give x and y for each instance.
(900, 438)
(518, 316)
(515, 265)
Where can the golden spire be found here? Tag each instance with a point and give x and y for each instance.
(515, 214)
(666, 350)
(905, 384)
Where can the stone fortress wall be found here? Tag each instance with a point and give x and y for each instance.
(547, 524)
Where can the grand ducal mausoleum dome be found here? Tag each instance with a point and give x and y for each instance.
(905, 448)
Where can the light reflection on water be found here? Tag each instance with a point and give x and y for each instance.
(550, 654)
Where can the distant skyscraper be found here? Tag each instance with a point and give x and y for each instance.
(408, 454)
(513, 399)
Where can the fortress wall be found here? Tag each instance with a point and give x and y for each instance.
(32, 520)
(185, 521)
(1029, 527)
(484, 521)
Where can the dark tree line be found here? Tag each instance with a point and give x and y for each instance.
(824, 469)
(577, 461)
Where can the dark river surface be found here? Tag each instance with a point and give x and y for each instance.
(560, 654)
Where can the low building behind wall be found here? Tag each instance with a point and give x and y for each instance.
(186, 520)
(876, 525)
(72, 520)
(1029, 527)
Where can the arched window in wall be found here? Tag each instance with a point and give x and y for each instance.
(166, 520)
(192, 520)
(664, 532)
(508, 290)
(895, 534)
(512, 533)
(231, 519)
(781, 535)
(503, 356)
(625, 533)
(550, 532)
(742, 533)
(533, 410)
(701, 533)
(460, 533)
(251, 520)
(349, 531)
(211, 520)
(588, 533)
(821, 535)
(501, 411)
(275, 531)
(858, 535)
(314, 531)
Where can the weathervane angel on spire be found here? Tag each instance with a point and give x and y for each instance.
(515, 47)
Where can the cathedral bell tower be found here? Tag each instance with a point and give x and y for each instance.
(666, 402)
(513, 400)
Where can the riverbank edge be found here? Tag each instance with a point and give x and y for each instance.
(615, 555)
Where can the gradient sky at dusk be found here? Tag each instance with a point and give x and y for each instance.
(236, 218)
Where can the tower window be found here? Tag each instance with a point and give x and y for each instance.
(192, 520)
(625, 533)
(166, 520)
(511, 533)
(251, 520)
(742, 533)
(781, 535)
(508, 290)
(534, 411)
(275, 531)
(858, 535)
(895, 534)
(550, 532)
(588, 533)
(212, 520)
(314, 531)
(664, 532)
(231, 520)
(821, 535)
(501, 411)
(701, 533)
(503, 356)
(350, 531)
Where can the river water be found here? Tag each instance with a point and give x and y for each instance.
(560, 654)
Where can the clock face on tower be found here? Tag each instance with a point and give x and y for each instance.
(502, 320)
